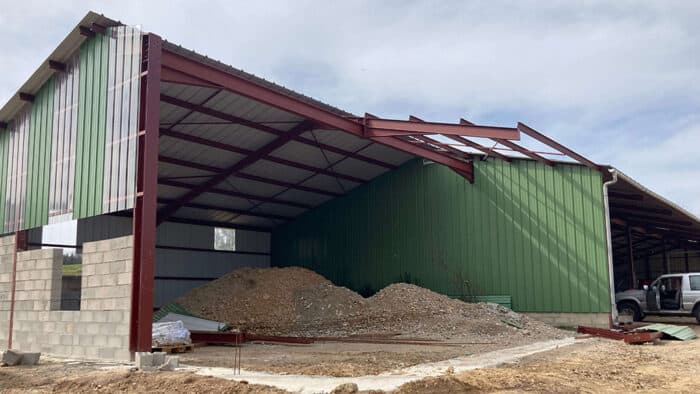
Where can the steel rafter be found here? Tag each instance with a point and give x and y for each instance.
(230, 193)
(271, 130)
(234, 211)
(246, 152)
(247, 161)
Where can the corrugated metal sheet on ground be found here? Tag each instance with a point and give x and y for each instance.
(683, 333)
(525, 229)
(503, 300)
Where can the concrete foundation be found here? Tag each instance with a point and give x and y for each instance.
(100, 330)
(573, 319)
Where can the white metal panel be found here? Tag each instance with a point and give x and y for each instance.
(17, 171)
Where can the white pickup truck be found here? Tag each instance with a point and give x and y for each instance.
(668, 295)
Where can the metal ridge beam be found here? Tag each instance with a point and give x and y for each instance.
(240, 165)
(257, 126)
(553, 144)
(230, 148)
(230, 193)
(375, 127)
(243, 175)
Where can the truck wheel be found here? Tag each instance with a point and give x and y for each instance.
(630, 308)
(696, 313)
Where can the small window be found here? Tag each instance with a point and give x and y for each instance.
(64, 235)
(695, 282)
(224, 239)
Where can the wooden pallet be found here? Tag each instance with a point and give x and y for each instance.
(179, 348)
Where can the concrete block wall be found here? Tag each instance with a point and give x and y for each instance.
(101, 328)
(7, 248)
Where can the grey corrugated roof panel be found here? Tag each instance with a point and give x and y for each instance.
(250, 187)
(326, 182)
(663, 200)
(268, 169)
(229, 134)
(306, 154)
(243, 107)
(250, 77)
(337, 139)
(354, 166)
(295, 195)
(171, 170)
(193, 94)
(386, 154)
(197, 153)
(683, 333)
(220, 200)
(62, 53)
(277, 209)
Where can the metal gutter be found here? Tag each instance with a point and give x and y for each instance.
(608, 237)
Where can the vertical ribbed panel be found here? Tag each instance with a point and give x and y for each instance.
(4, 161)
(65, 126)
(17, 171)
(39, 157)
(122, 118)
(523, 229)
(92, 115)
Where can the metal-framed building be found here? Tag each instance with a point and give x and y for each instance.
(149, 147)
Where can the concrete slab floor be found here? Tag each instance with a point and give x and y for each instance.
(388, 380)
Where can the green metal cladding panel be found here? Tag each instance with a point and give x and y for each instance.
(90, 146)
(72, 152)
(523, 229)
(39, 169)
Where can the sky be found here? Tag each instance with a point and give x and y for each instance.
(618, 82)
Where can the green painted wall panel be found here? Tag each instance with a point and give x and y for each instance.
(39, 157)
(90, 145)
(522, 229)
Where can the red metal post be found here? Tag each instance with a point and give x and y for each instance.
(145, 208)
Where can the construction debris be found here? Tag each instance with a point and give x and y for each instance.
(631, 337)
(298, 302)
(13, 357)
(171, 333)
(682, 333)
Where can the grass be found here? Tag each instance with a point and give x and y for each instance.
(72, 269)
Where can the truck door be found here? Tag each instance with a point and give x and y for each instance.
(691, 292)
(653, 296)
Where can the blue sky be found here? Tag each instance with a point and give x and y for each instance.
(616, 81)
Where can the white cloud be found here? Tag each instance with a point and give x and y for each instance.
(617, 81)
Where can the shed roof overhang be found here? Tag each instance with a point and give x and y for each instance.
(649, 221)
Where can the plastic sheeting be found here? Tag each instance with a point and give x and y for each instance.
(170, 333)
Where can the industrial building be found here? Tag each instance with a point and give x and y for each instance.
(159, 169)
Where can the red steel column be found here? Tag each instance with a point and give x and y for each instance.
(145, 208)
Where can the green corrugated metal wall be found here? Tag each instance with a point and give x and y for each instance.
(90, 148)
(522, 229)
(39, 169)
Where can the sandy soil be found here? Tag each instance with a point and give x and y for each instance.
(66, 377)
(592, 367)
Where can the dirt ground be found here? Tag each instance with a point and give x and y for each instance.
(342, 359)
(592, 366)
(67, 377)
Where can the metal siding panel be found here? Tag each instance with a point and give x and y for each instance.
(17, 171)
(36, 211)
(4, 160)
(523, 229)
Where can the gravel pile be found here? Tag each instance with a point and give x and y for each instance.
(294, 301)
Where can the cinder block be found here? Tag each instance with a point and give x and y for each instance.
(100, 341)
(118, 255)
(121, 243)
(11, 357)
(89, 247)
(170, 364)
(106, 353)
(114, 342)
(123, 355)
(124, 278)
(93, 258)
(143, 360)
(158, 358)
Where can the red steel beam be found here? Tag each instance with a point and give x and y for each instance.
(259, 92)
(257, 126)
(234, 211)
(289, 103)
(145, 207)
(391, 127)
(553, 144)
(230, 193)
(243, 175)
(232, 170)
